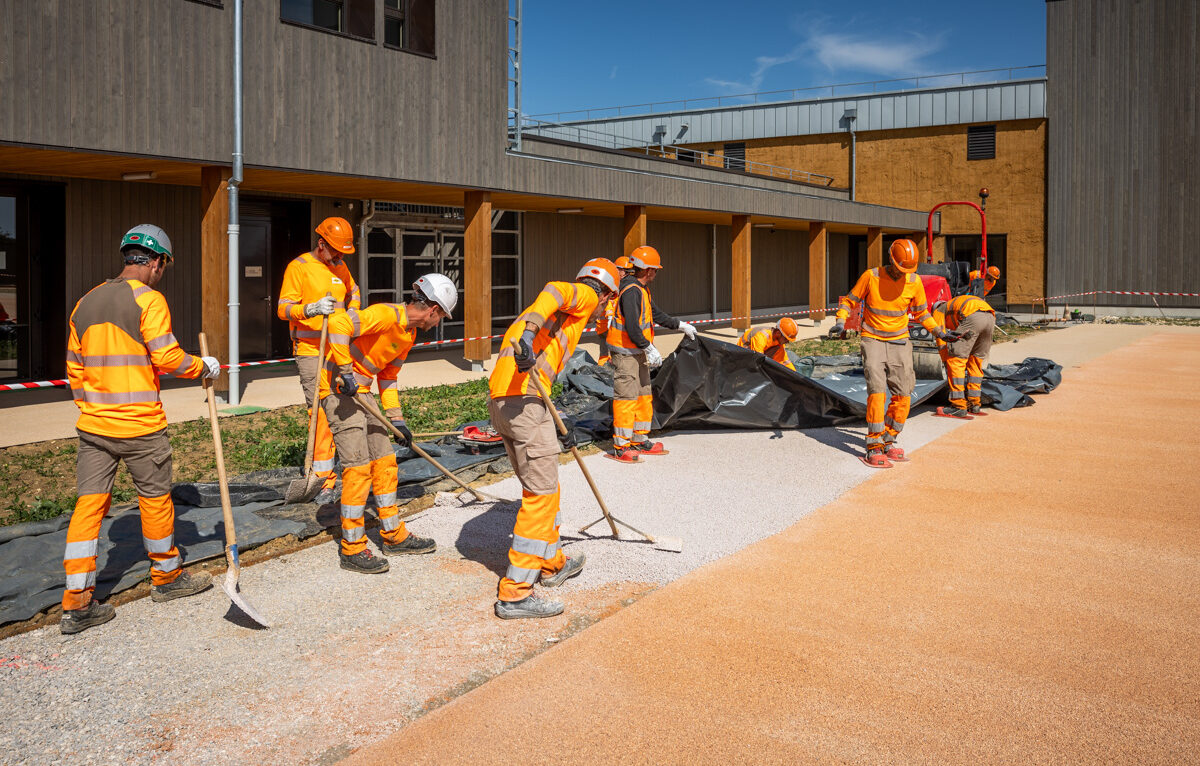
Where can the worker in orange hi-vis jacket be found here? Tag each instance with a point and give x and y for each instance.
(366, 345)
(974, 321)
(631, 342)
(307, 282)
(547, 333)
(120, 342)
(624, 266)
(889, 295)
(980, 287)
(771, 341)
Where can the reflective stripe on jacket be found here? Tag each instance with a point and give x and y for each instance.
(620, 340)
(305, 281)
(887, 304)
(120, 342)
(372, 344)
(561, 312)
(958, 309)
(763, 341)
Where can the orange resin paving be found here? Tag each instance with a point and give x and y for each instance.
(1047, 612)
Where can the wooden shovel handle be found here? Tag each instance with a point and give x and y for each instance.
(316, 401)
(226, 507)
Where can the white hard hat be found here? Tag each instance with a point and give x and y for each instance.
(439, 289)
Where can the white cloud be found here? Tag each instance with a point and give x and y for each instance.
(613, 74)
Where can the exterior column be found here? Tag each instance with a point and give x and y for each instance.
(918, 239)
(214, 266)
(740, 273)
(635, 227)
(818, 247)
(477, 278)
(874, 248)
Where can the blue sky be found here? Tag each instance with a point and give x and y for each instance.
(599, 54)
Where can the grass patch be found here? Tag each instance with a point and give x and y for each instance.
(824, 347)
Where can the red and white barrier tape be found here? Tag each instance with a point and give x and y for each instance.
(1114, 292)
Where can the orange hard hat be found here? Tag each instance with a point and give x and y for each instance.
(337, 233)
(993, 272)
(904, 255)
(645, 257)
(788, 328)
(623, 262)
(603, 271)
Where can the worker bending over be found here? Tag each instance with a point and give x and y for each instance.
(547, 333)
(980, 287)
(631, 342)
(889, 295)
(316, 284)
(974, 321)
(368, 345)
(770, 341)
(120, 342)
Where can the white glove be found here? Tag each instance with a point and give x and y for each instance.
(324, 306)
(689, 329)
(212, 368)
(653, 358)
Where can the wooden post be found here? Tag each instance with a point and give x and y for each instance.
(918, 239)
(214, 264)
(740, 273)
(635, 227)
(818, 246)
(874, 248)
(477, 277)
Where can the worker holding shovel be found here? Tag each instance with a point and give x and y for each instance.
(368, 345)
(546, 334)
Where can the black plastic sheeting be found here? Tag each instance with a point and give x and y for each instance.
(1008, 385)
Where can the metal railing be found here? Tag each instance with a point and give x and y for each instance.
(582, 134)
(871, 87)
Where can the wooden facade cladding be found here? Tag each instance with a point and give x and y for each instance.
(477, 276)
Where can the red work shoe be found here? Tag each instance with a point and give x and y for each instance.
(876, 459)
(624, 455)
(651, 448)
(895, 454)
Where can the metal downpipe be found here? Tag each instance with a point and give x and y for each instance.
(235, 391)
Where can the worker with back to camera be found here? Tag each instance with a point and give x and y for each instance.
(889, 295)
(120, 342)
(316, 284)
(980, 287)
(974, 321)
(772, 341)
(631, 342)
(368, 345)
(547, 333)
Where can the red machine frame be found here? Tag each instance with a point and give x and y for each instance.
(983, 195)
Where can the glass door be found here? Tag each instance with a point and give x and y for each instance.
(14, 291)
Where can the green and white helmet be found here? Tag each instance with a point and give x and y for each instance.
(150, 237)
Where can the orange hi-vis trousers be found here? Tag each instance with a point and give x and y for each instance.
(965, 377)
(324, 451)
(633, 405)
(148, 459)
(888, 368)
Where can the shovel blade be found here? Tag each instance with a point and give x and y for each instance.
(672, 544)
(230, 586)
(304, 489)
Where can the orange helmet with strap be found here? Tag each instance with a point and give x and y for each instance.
(993, 272)
(337, 233)
(603, 271)
(904, 255)
(645, 257)
(623, 262)
(788, 328)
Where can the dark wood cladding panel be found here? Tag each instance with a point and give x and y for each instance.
(780, 271)
(1123, 155)
(684, 285)
(555, 246)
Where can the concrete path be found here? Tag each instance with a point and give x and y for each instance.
(1025, 591)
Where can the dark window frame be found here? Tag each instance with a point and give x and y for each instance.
(404, 14)
(977, 134)
(736, 161)
(210, 3)
(334, 32)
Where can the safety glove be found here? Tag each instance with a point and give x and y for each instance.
(688, 329)
(949, 336)
(838, 331)
(212, 368)
(345, 384)
(567, 440)
(326, 306)
(399, 425)
(525, 358)
(653, 357)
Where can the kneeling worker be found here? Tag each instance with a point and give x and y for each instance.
(120, 342)
(888, 295)
(770, 341)
(974, 321)
(548, 332)
(364, 345)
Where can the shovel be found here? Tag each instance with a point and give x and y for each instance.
(673, 544)
(230, 583)
(309, 484)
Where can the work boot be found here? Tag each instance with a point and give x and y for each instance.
(530, 606)
(876, 459)
(954, 412)
(76, 620)
(626, 455)
(572, 567)
(650, 448)
(364, 561)
(186, 584)
(410, 544)
(895, 454)
(976, 410)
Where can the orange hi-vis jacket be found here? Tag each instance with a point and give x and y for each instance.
(561, 312)
(619, 340)
(958, 309)
(763, 341)
(887, 304)
(306, 280)
(120, 342)
(373, 344)
(973, 282)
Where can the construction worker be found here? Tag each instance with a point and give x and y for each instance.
(120, 342)
(631, 342)
(981, 287)
(770, 341)
(610, 309)
(974, 321)
(365, 345)
(889, 295)
(316, 284)
(547, 332)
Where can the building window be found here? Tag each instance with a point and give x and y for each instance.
(981, 142)
(409, 25)
(355, 18)
(735, 156)
(687, 155)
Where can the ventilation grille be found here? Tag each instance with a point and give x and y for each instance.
(981, 142)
